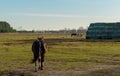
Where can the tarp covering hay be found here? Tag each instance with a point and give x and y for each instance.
(103, 31)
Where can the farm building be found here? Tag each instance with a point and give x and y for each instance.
(103, 31)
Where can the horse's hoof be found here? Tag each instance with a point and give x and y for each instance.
(39, 68)
(36, 70)
(42, 69)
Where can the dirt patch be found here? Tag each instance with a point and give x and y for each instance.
(98, 70)
(45, 72)
(105, 72)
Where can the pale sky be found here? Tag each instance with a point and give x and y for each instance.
(58, 14)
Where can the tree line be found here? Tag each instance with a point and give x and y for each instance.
(5, 27)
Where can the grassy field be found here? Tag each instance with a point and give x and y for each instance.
(66, 56)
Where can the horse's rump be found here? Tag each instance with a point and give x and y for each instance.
(36, 50)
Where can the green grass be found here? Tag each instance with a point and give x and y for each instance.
(64, 53)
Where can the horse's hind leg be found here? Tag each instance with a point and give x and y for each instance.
(39, 62)
(42, 61)
(36, 68)
(42, 65)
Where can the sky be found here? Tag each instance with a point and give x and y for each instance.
(58, 14)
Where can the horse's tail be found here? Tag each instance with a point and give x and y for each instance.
(34, 60)
(36, 52)
(36, 56)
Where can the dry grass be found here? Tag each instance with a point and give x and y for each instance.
(66, 56)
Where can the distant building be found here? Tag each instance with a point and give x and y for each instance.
(103, 31)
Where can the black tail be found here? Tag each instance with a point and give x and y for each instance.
(36, 50)
(36, 56)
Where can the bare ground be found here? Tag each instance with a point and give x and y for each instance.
(100, 70)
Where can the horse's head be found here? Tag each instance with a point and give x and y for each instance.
(40, 38)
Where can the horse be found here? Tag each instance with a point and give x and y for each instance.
(74, 34)
(39, 49)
